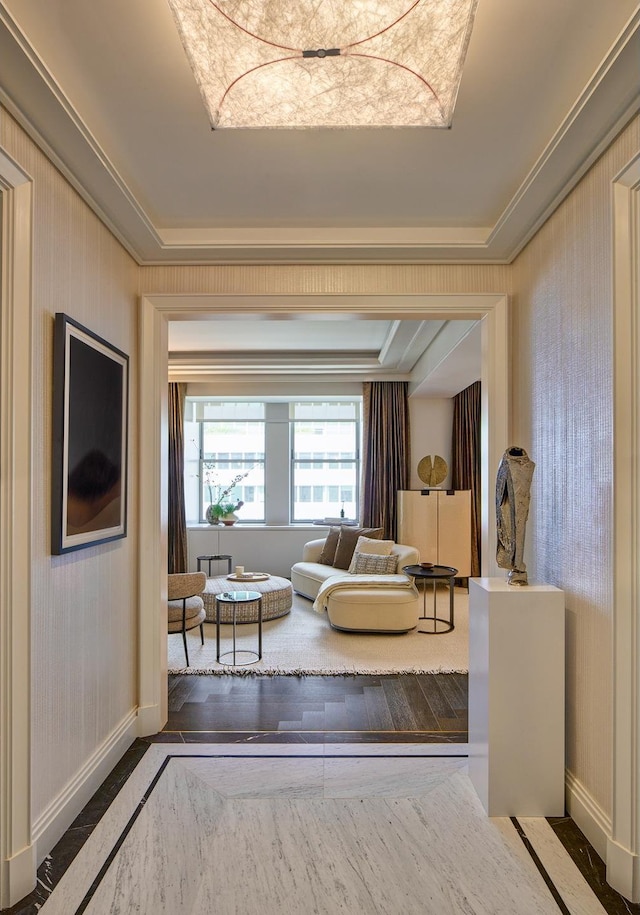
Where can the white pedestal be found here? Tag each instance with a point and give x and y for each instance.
(516, 697)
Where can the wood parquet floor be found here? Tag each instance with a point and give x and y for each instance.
(403, 708)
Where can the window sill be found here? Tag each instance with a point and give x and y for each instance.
(252, 526)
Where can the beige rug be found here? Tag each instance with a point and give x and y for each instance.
(303, 642)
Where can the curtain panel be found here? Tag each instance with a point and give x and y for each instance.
(465, 459)
(385, 458)
(177, 520)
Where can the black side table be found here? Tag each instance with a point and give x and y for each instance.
(217, 558)
(434, 575)
(234, 598)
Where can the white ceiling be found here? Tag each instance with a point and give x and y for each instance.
(438, 358)
(106, 88)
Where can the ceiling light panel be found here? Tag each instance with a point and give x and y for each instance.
(326, 63)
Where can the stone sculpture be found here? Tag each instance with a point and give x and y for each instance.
(513, 486)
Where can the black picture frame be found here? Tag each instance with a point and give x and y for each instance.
(90, 438)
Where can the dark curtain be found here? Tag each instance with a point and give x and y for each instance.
(385, 459)
(465, 459)
(177, 522)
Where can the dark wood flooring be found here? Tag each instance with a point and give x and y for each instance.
(407, 708)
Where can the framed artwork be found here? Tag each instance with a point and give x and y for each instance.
(90, 418)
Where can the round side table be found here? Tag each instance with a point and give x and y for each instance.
(434, 575)
(235, 599)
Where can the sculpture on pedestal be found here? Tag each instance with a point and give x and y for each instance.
(513, 486)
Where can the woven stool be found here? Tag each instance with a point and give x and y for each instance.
(277, 597)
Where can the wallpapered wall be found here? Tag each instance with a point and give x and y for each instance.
(562, 365)
(83, 620)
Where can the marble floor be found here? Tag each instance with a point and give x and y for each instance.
(386, 829)
(337, 760)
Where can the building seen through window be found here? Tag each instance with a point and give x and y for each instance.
(306, 453)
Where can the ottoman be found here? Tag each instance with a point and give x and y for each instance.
(374, 609)
(277, 597)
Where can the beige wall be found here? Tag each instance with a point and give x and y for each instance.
(431, 422)
(83, 612)
(562, 414)
(358, 279)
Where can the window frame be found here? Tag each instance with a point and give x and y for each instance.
(330, 460)
(281, 428)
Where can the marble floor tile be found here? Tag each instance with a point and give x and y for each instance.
(281, 829)
(261, 777)
(572, 886)
(408, 778)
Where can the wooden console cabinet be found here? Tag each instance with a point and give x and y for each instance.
(438, 523)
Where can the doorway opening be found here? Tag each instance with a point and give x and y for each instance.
(158, 310)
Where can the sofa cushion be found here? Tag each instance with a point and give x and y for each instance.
(306, 577)
(347, 543)
(373, 564)
(369, 545)
(330, 545)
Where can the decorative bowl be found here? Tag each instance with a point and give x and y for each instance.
(426, 565)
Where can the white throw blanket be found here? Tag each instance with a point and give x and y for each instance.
(336, 582)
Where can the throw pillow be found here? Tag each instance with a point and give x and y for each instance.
(367, 545)
(329, 548)
(347, 543)
(372, 564)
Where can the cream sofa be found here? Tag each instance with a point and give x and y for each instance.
(353, 605)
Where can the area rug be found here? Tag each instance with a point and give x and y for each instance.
(303, 643)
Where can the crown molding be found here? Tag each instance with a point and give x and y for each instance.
(32, 96)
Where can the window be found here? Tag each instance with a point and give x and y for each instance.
(298, 460)
(325, 464)
(223, 442)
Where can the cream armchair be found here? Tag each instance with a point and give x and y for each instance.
(186, 607)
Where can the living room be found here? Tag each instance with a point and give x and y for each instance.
(437, 359)
(246, 413)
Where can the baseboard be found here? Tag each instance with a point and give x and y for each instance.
(18, 876)
(587, 814)
(149, 720)
(63, 810)
(623, 871)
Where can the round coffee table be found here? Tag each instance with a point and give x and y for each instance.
(277, 598)
(434, 574)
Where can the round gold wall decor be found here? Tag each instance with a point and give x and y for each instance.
(432, 469)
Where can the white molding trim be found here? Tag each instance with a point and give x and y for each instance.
(603, 108)
(17, 859)
(623, 863)
(587, 814)
(157, 310)
(153, 474)
(495, 413)
(62, 811)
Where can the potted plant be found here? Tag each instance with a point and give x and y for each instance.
(221, 509)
